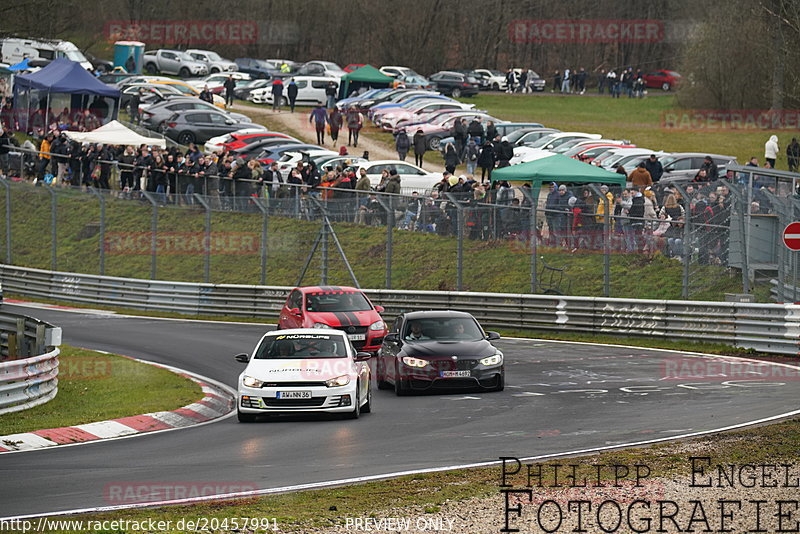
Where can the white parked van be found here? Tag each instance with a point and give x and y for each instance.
(310, 91)
(15, 50)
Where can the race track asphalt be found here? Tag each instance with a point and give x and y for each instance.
(559, 397)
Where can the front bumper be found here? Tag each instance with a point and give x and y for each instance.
(425, 378)
(323, 399)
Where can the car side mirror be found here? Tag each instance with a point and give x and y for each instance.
(392, 338)
(380, 309)
(242, 358)
(230, 121)
(295, 311)
(492, 336)
(363, 356)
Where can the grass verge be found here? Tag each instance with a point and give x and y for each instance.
(96, 387)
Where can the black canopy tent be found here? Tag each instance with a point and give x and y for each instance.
(64, 77)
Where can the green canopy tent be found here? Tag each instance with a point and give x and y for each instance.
(366, 76)
(558, 168)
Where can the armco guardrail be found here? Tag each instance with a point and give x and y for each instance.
(28, 362)
(784, 292)
(764, 327)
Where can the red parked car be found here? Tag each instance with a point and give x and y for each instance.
(339, 307)
(240, 141)
(665, 79)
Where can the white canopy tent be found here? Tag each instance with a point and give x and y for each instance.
(115, 133)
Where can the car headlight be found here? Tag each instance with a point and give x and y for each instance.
(338, 381)
(251, 382)
(495, 359)
(377, 325)
(320, 325)
(414, 362)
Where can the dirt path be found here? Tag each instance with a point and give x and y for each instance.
(297, 125)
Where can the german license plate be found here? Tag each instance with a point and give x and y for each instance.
(456, 374)
(356, 337)
(293, 395)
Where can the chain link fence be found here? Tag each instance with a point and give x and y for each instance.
(685, 241)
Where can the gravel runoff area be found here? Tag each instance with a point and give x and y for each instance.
(762, 498)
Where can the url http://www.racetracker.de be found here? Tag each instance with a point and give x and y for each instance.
(49, 524)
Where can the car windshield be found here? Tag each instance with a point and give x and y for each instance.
(340, 301)
(213, 56)
(567, 145)
(185, 56)
(306, 346)
(497, 73)
(542, 141)
(443, 329)
(514, 136)
(74, 55)
(333, 67)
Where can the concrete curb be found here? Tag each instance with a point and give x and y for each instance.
(216, 402)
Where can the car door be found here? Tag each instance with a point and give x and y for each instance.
(169, 62)
(390, 349)
(293, 302)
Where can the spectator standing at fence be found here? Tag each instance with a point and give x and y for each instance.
(230, 87)
(335, 122)
(471, 155)
(636, 215)
(674, 214)
(639, 177)
(126, 163)
(793, 155)
(712, 172)
(277, 94)
(402, 143)
(420, 146)
(319, 118)
(601, 204)
(486, 161)
(771, 150)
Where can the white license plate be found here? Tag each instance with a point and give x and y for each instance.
(293, 395)
(456, 374)
(356, 337)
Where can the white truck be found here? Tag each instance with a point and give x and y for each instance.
(175, 62)
(15, 50)
(215, 62)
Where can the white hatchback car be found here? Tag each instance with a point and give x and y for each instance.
(412, 178)
(304, 370)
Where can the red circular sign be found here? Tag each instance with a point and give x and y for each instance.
(791, 236)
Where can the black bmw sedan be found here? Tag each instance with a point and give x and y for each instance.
(439, 349)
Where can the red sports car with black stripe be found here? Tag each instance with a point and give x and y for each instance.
(339, 307)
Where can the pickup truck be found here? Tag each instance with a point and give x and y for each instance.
(173, 62)
(215, 62)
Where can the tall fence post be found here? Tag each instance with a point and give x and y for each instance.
(102, 235)
(7, 187)
(324, 244)
(53, 228)
(687, 245)
(263, 205)
(387, 207)
(741, 209)
(459, 241)
(606, 238)
(533, 198)
(206, 239)
(153, 233)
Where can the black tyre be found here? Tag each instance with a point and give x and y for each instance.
(184, 72)
(501, 385)
(214, 70)
(456, 92)
(356, 413)
(185, 138)
(381, 372)
(433, 142)
(495, 86)
(367, 408)
(401, 387)
(245, 417)
(150, 68)
(666, 86)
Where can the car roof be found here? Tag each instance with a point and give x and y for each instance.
(436, 313)
(698, 155)
(290, 331)
(327, 289)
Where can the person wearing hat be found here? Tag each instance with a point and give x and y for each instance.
(639, 177)
(393, 185)
(563, 209)
(451, 159)
(504, 153)
(601, 205)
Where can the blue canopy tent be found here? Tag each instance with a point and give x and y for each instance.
(63, 77)
(22, 65)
